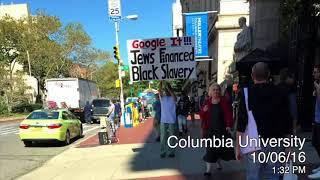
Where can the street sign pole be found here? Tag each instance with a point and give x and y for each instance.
(116, 26)
(115, 15)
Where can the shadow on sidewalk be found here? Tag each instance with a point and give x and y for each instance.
(187, 164)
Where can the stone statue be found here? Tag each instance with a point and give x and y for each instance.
(243, 44)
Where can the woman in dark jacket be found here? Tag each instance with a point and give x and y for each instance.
(216, 115)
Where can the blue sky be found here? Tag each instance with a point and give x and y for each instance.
(155, 19)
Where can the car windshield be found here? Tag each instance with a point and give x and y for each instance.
(101, 103)
(44, 115)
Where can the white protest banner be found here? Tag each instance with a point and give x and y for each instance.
(161, 59)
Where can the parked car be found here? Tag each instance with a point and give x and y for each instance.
(50, 125)
(100, 107)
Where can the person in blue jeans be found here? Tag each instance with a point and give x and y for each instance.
(183, 107)
(168, 119)
(111, 118)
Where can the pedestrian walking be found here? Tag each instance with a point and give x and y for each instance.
(117, 114)
(263, 112)
(183, 107)
(216, 116)
(316, 125)
(140, 109)
(157, 116)
(87, 112)
(168, 119)
(192, 109)
(203, 99)
(111, 118)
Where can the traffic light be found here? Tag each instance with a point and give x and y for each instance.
(116, 53)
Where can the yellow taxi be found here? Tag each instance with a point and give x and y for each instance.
(50, 125)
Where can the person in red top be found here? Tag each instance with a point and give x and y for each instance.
(216, 115)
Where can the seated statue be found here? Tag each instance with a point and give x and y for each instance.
(243, 44)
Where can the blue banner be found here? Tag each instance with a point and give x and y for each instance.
(197, 26)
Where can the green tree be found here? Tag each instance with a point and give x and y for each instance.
(105, 78)
(53, 49)
(45, 53)
(10, 51)
(77, 47)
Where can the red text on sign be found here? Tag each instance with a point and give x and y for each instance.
(153, 44)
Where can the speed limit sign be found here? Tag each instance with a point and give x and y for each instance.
(114, 9)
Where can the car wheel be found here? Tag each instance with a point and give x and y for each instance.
(67, 139)
(27, 143)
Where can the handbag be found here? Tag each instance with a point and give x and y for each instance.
(251, 131)
(290, 175)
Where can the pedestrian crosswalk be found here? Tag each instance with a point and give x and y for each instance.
(9, 129)
(14, 128)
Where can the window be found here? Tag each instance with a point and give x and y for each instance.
(65, 115)
(101, 103)
(44, 115)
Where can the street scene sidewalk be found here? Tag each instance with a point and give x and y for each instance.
(136, 156)
(12, 119)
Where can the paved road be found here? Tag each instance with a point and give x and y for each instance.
(16, 160)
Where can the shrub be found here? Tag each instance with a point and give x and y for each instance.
(3, 106)
(26, 107)
(36, 106)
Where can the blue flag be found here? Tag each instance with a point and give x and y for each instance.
(197, 26)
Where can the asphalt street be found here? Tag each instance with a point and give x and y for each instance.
(17, 160)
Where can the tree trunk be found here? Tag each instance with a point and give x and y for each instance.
(38, 98)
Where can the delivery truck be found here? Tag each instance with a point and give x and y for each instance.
(71, 93)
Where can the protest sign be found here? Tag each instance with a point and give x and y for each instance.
(161, 59)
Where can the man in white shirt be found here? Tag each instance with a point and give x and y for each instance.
(111, 117)
(168, 119)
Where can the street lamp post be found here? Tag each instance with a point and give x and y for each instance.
(116, 26)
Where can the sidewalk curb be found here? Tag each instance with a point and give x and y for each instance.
(11, 121)
(77, 145)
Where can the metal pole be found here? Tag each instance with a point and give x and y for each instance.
(116, 26)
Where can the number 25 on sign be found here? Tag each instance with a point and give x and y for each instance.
(114, 8)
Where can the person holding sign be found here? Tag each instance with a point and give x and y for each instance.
(168, 119)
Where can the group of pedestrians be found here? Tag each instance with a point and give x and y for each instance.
(265, 111)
